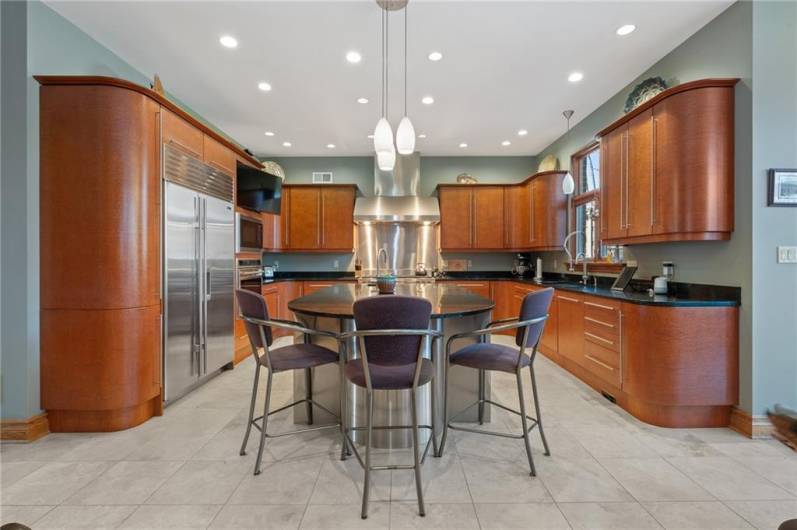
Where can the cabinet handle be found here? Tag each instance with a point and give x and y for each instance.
(567, 299)
(653, 177)
(596, 321)
(622, 348)
(593, 304)
(593, 336)
(599, 363)
(627, 144)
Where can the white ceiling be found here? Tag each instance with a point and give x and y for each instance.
(505, 65)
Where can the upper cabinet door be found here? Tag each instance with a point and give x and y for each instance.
(549, 211)
(456, 218)
(337, 219)
(179, 133)
(304, 218)
(219, 156)
(694, 165)
(488, 217)
(517, 201)
(639, 176)
(613, 149)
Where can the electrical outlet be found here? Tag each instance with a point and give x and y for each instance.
(555, 264)
(787, 254)
(336, 264)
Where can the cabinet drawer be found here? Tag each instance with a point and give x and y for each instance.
(179, 133)
(597, 333)
(603, 363)
(218, 156)
(604, 311)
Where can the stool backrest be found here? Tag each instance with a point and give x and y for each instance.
(392, 312)
(253, 305)
(536, 304)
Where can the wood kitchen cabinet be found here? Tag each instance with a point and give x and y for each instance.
(456, 217)
(488, 218)
(518, 205)
(177, 132)
(482, 288)
(271, 231)
(667, 167)
(317, 218)
(548, 211)
(218, 156)
(570, 329)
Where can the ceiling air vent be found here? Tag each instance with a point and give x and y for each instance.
(322, 177)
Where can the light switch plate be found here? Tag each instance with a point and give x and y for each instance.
(787, 254)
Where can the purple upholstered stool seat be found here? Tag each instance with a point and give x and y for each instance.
(298, 356)
(487, 356)
(389, 376)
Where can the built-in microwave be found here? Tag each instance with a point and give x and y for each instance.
(248, 233)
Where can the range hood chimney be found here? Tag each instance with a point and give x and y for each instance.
(396, 196)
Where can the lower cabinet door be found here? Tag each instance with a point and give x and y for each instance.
(570, 329)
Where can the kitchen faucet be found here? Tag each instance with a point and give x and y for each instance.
(379, 254)
(567, 249)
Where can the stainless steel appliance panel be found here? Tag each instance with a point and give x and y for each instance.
(182, 290)
(407, 245)
(219, 241)
(249, 233)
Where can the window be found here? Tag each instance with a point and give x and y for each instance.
(585, 166)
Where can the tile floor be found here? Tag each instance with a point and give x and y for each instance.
(607, 470)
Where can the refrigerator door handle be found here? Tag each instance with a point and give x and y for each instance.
(206, 286)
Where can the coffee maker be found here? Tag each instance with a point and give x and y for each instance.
(521, 265)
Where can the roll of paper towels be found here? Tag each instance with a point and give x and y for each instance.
(538, 270)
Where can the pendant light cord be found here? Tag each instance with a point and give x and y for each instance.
(387, 56)
(406, 12)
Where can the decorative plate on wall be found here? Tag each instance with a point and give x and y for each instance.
(644, 91)
(274, 168)
(466, 178)
(549, 163)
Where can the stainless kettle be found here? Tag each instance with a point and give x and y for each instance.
(420, 269)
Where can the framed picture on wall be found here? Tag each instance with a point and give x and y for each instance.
(782, 187)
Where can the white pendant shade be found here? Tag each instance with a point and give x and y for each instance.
(383, 136)
(568, 184)
(405, 137)
(386, 160)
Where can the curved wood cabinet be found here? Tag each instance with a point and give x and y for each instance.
(100, 261)
(668, 168)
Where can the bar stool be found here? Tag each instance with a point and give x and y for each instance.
(391, 332)
(304, 356)
(485, 356)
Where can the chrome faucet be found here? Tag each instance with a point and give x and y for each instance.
(379, 253)
(571, 268)
(584, 273)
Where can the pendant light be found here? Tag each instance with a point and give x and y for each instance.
(383, 134)
(405, 134)
(568, 184)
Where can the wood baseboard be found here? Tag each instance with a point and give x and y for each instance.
(750, 426)
(26, 430)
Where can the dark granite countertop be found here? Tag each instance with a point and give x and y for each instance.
(337, 301)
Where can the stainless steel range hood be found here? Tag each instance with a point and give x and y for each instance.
(396, 196)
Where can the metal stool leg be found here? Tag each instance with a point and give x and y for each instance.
(524, 421)
(369, 398)
(251, 409)
(308, 393)
(265, 424)
(481, 397)
(537, 410)
(433, 391)
(344, 448)
(445, 411)
(416, 454)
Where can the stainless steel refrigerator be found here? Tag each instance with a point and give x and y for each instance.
(198, 270)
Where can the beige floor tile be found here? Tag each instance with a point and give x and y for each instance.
(94, 517)
(752, 449)
(780, 470)
(675, 442)
(488, 447)
(532, 516)
(765, 515)
(52, 483)
(654, 479)
(726, 479)
(341, 482)
(13, 472)
(579, 480)
(201, 483)
(126, 483)
(491, 481)
(718, 435)
(329, 516)
(289, 482)
(607, 515)
(695, 515)
(152, 517)
(612, 442)
(443, 482)
(262, 517)
(26, 515)
(48, 449)
(454, 516)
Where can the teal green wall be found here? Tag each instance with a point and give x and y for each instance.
(357, 170)
(774, 128)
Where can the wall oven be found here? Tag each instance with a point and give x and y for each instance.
(250, 275)
(248, 233)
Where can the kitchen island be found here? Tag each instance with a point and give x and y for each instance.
(454, 310)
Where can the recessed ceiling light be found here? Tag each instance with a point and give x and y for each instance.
(463, 145)
(435, 56)
(626, 29)
(506, 142)
(522, 132)
(330, 146)
(421, 136)
(265, 87)
(354, 57)
(269, 133)
(228, 41)
(286, 144)
(427, 100)
(575, 77)
(362, 101)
